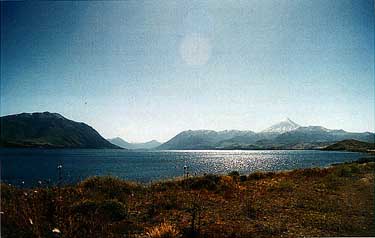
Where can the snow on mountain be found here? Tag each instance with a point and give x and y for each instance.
(281, 127)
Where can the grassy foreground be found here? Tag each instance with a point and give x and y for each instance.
(336, 201)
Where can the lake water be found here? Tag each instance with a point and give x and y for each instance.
(33, 165)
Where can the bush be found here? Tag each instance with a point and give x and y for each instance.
(284, 186)
(167, 185)
(168, 201)
(355, 169)
(243, 178)
(344, 171)
(107, 187)
(111, 210)
(6, 192)
(84, 208)
(209, 182)
(250, 209)
(365, 160)
(332, 181)
(260, 175)
(234, 174)
(226, 183)
(311, 172)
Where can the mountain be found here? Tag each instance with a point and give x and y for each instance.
(147, 145)
(200, 139)
(352, 145)
(53, 130)
(120, 142)
(315, 134)
(284, 135)
(281, 127)
(48, 130)
(134, 146)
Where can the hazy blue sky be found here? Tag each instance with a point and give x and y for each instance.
(149, 69)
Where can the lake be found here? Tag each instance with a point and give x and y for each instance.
(25, 167)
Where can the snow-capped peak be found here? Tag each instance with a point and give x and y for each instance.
(281, 127)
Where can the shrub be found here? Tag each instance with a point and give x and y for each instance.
(260, 175)
(284, 186)
(355, 169)
(209, 182)
(226, 183)
(243, 178)
(168, 201)
(111, 210)
(344, 171)
(6, 191)
(85, 207)
(195, 209)
(167, 185)
(365, 160)
(164, 230)
(250, 209)
(107, 187)
(311, 172)
(332, 181)
(234, 174)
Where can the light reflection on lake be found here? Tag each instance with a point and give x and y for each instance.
(32, 165)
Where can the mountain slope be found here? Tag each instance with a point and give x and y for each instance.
(120, 142)
(48, 130)
(134, 146)
(200, 139)
(247, 140)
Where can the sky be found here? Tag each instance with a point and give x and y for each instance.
(144, 70)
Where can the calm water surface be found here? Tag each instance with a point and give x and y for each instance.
(33, 165)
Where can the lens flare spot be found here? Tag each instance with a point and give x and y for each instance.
(195, 49)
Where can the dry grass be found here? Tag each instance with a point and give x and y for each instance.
(164, 230)
(337, 201)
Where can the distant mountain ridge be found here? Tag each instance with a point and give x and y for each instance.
(48, 130)
(321, 134)
(283, 135)
(134, 146)
(52, 130)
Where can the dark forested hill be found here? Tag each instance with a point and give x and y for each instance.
(48, 130)
(352, 145)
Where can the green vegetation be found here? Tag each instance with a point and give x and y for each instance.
(335, 201)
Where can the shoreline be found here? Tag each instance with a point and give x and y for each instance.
(244, 204)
